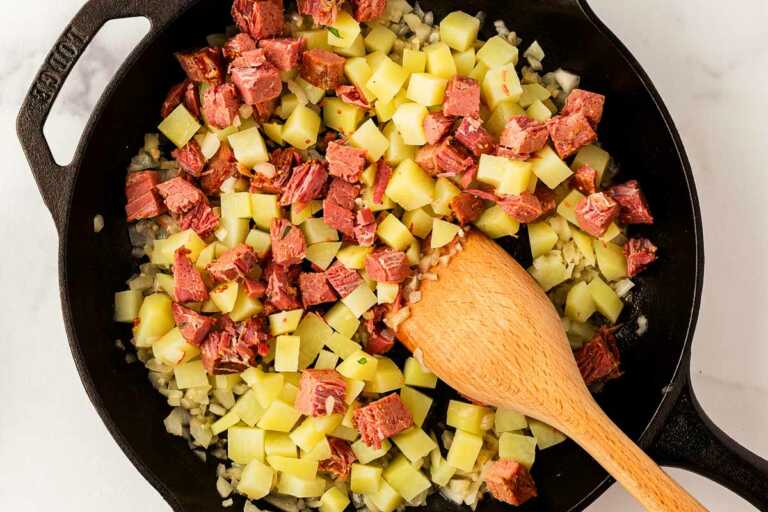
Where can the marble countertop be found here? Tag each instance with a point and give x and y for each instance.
(710, 65)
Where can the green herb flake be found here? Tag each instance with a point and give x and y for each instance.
(362, 360)
(334, 31)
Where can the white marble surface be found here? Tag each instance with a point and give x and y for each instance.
(710, 64)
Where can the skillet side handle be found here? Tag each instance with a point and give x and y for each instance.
(691, 441)
(55, 181)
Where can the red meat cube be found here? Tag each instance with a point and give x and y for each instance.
(283, 160)
(365, 228)
(368, 10)
(220, 167)
(343, 193)
(524, 208)
(321, 392)
(523, 135)
(259, 18)
(281, 289)
(595, 213)
(546, 197)
(305, 184)
(569, 133)
(237, 45)
(462, 97)
(426, 158)
(436, 126)
(585, 180)
(220, 105)
(339, 218)
(467, 208)
(180, 195)
(382, 419)
(634, 207)
(190, 158)
(141, 194)
(283, 53)
(343, 279)
(510, 482)
(203, 65)
(231, 348)
(387, 266)
(258, 82)
(640, 253)
(192, 100)
(322, 68)
(315, 289)
(588, 103)
(254, 289)
(288, 244)
(468, 176)
(189, 285)
(381, 339)
(599, 359)
(351, 94)
(451, 159)
(323, 12)
(202, 219)
(345, 161)
(472, 134)
(264, 110)
(185, 92)
(339, 464)
(250, 59)
(234, 264)
(380, 182)
(193, 326)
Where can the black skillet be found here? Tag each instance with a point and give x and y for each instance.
(653, 402)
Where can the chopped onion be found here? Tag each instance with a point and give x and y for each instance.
(98, 223)
(566, 80)
(265, 168)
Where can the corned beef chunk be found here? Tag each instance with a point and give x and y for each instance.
(281, 287)
(462, 97)
(436, 126)
(368, 10)
(192, 100)
(351, 94)
(284, 53)
(451, 158)
(339, 218)
(283, 160)
(570, 132)
(510, 482)
(143, 201)
(194, 327)
(190, 158)
(588, 103)
(185, 92)
(426, 158)
(220, 167)
(259, 18)
(345, 162)
(595, 213)
(343, 279)
(203, 65)
(321, 392)
(315, 289)
(634, 207)
(288, 244)
(237, 45)
(180, 195)
(189, 285)
(523, 136)
(380, 182)
(236, 263)
(343, 193)
(381, 338)
(524, 207)
(255, 77)
(387, 266)
(202, 219)
(254, 289)
(322, 68)
(640, 253)
(323, 12)
(382, 419)
(231, 348)
(467, 208)
(305, 184)
(585, 180)
(339, 464)
(546, 197)
(471, 133)
(365, 227)
(599, 359)
(220, 105)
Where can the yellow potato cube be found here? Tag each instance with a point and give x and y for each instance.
(517, 447)
(496, 52)
(388, 377)
(287, 105)
(321, 451)
(369, 137)
(341, 345)
(249, 147)
(549, 168)
(354, 388)
(300, 488)
(440, 62)
(442, 233)
(301, 128)
(316, 231)
(507, 420)
(164, 249)
(445, 191)
(127, 305)
(414, 61)
(410, 186)
(165, 283)
(409, 120)
(418, 222)
(179, 126)
(306, 436)
(279, 443)
(465, 61)
(353, 256)
(289, 393)
(342, 319)
(359, 366)
(398, 150)
(228, 420)
(322, 254)
(301, 468)
(386, 293)
(375, 59)
(287, 354)
(317, 38)
(386, 499)
(495, 223)
(542, 238)
(414, 443)
(356, 49)
(284, 322)
(610, 260)
(313, 94)
(232, 231)
(394, 233)
(225, 296)
(313, 332)
(464, 450)
(593, 156)
(459, 30)
(360, 300)
(492, 169)
(342, 117)
(479, 71)
(549, 270)
(417, 375)
(245, 444)
(610, 233)
(343, 32)
(301, 213)
(440, 471)
(426, 89)
(366, 454)
(256, 480)
(607, 302)
(533, 92)
(172, 349)
(358, 71)
(584, 244)
(279, 417)
(545, 435)
(259, 241)
(264, 208)
(380, 38)
(365, 479)
(466, 417)
(579, 305)
(501, 84)
(517, 179)
(417, 403)
(539, 112)
(155, 319)
(503, 112)
(567, 207)
(245, 306)
(190, 375)
(387, 79)
(326, 360)
(274, 131)
(333, 500)
(408, 481)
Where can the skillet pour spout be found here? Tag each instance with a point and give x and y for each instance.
(653, 403)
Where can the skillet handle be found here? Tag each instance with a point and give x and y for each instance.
(56, 182)
(691, 441)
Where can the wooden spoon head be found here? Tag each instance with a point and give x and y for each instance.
(488, 330)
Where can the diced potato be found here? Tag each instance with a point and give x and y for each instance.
(359, 366)
(369, 137)
(358, 71)
(593, 156)
(408, 481)
(386, 80)
(440, 471)
(549, 168)
(346, 29)
(259, 241)
(321, 451)
(264, 208)
(301, 468)
(542, 238)
(256, 480)
(426, 89)
(301, 213)
(445, 191)
(410, 186)
(317, 38)
(417, 403)
(380, 38)
(467, 417)
(567, 207)
(360, 300)
(228, 420)
(165, 283)
(172, 349)
(366, 454)
(414, 61)
(388, 377)
(610, 260)
(279, 443)
(234, 231)
(155, 319)
(316, 231)
(368, 177)
(287, 354)
(365, 479)
(209, 307)
(414, 443)
(561, 226)
(492, 169)
(501, 115)
(545, 435)
(326, 424)
(300, 488)
(354, 388)
(245, 307)
(440, 61)
(245, 444)
(375, 59)
(465, 61)
(342, 117)
(248, 409)
(127, 305)
(409, 120)
(532, 93)
(549, 270)
(248, 146)
(206, 256)
(313, 332)
(333, 500)
(584, 243)
(579, 305)
(326, 360)
(284, 322)
(342, 319)
(356, 49)
(279, 416)
(501, 84)
(418, 222)
(164, 249)
(507, 420)
(607, 302)
(386, 499)
(274, 131)
(386, 293)
(289, 393)
(353, 256)
(179, 126)
(517, 178)
(517, 447)
(610, 233)
(413, 254)
(479, 71)
(398, 150)
(496, 52)
(322, 253)
(225, 296)
(341, 345)
(301, 128)
(393, 232)
(464, 450)
(190, 375)
(417, 375)
(209, 144)
(267, 387)
(442, 233)
(287, 105)
(539, 112)
(306, 436)
(459, 30)
(225, 382)
(495, 223)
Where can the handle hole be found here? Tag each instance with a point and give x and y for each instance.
(86, 83)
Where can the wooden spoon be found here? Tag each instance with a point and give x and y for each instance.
(488, 330)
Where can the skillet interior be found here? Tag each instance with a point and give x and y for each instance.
(633, 131)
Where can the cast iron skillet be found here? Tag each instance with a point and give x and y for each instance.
(653, 402)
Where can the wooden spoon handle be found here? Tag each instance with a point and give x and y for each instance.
(630, 466)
